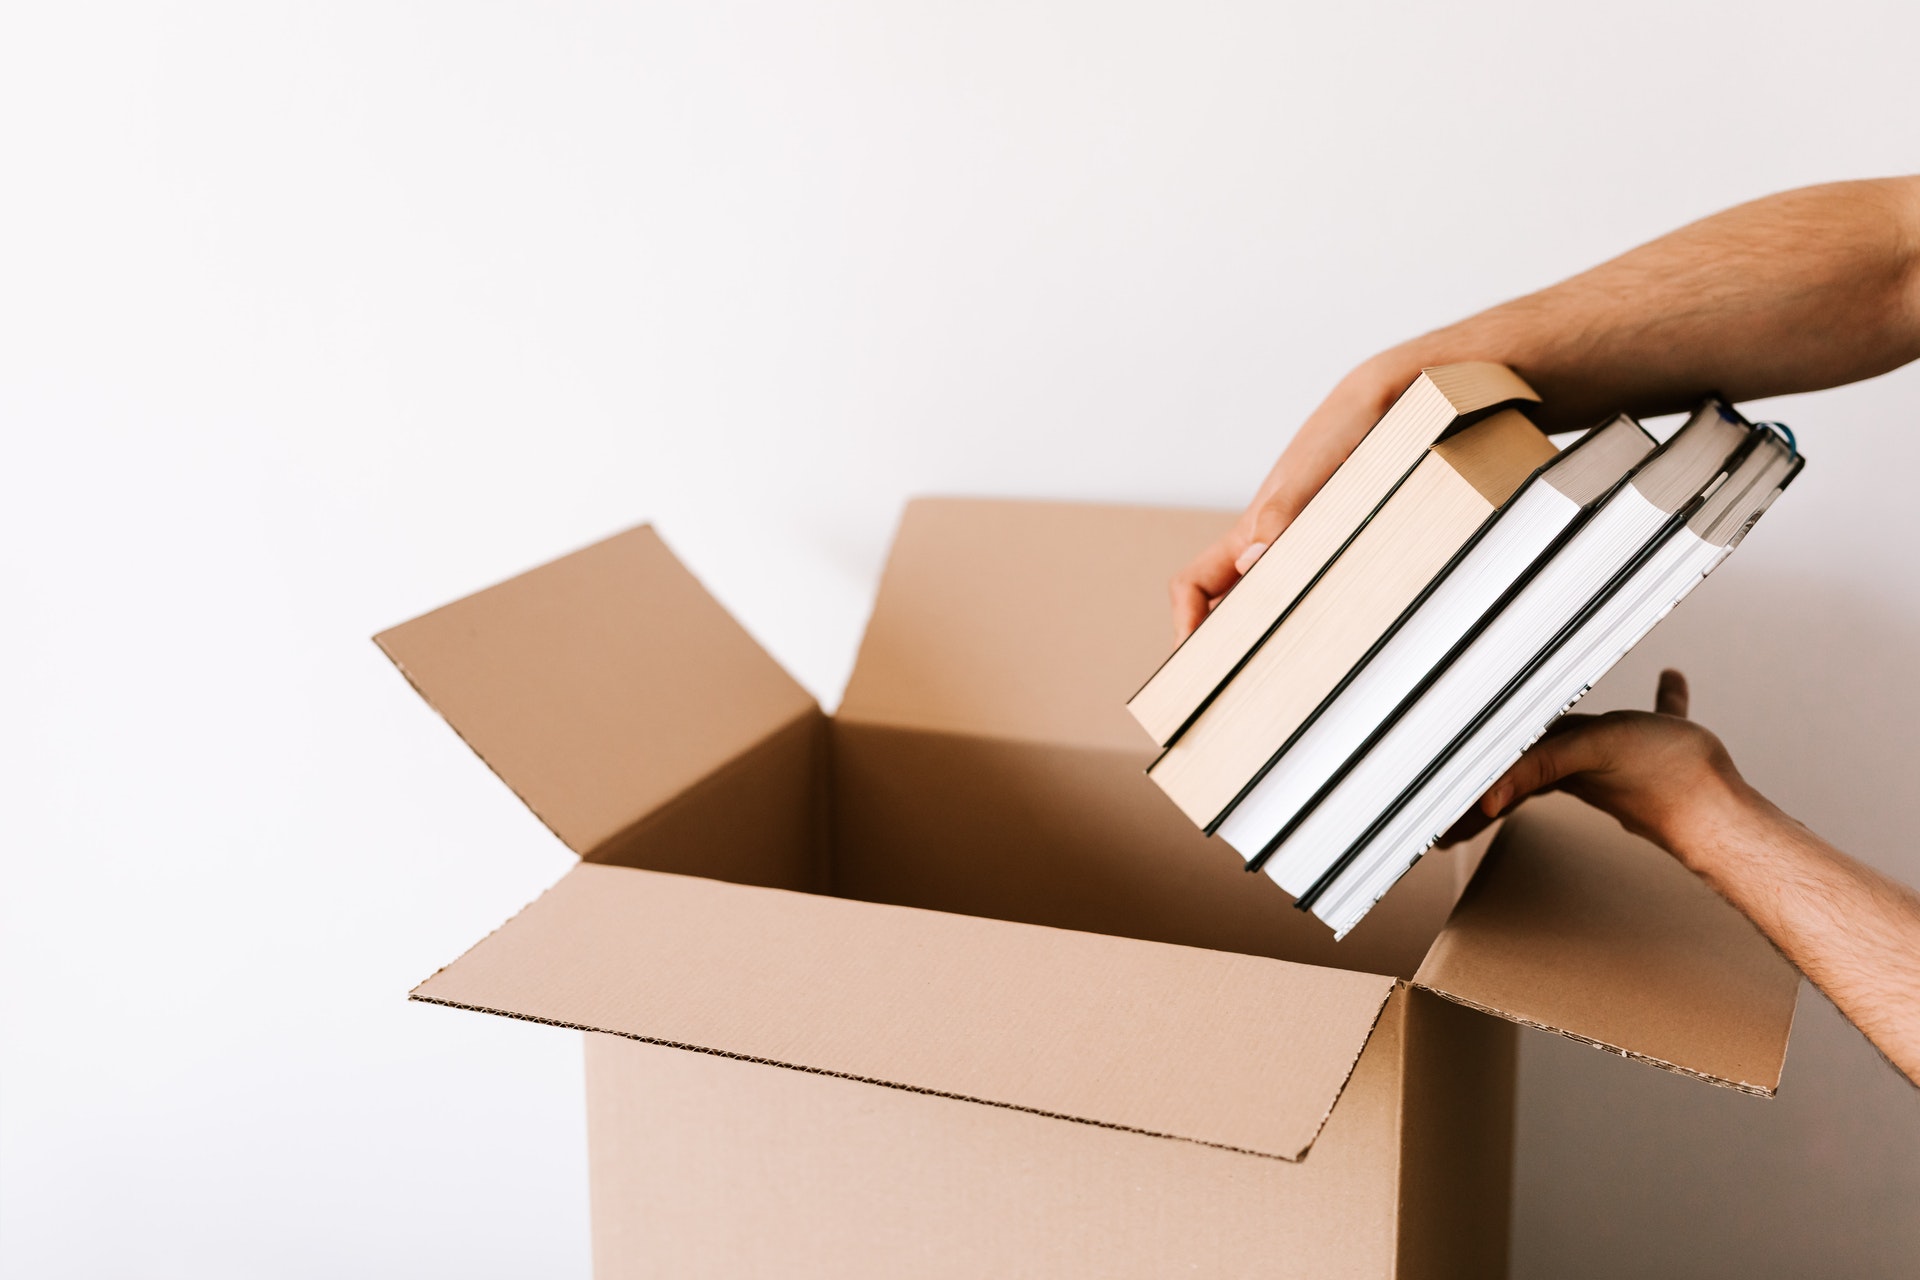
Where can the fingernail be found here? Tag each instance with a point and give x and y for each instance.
(1253, 552)
(1496, 801)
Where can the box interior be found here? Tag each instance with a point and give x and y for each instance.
(982, 764)
(981, 761)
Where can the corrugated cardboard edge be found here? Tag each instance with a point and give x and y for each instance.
(1346, 1078)
(910, 1088)
(380, 642)
(599, 685)
(1738, 1086)
(379, 639)
(638, 825)
(1568, 894)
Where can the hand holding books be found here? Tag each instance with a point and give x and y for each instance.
(1746, 301)
(1655, 771)
(1353, 709)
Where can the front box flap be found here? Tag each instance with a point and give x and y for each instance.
(1234, 1051)
(598, 686)
(1575, 926)
(1027, 620)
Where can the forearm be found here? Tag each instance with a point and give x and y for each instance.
(1854, 932)
(1795, 292)
(1799, 291)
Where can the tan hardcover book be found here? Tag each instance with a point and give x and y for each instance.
(1436, 402)
(1462, 481)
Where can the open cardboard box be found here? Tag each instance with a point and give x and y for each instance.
(941, 986)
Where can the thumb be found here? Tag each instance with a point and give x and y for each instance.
(1576, 745)
(1268, 521)
(1671, 698)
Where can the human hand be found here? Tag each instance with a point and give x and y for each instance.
(1656, 771)
(1316, 451)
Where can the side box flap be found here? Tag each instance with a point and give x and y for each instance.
(1026, 620)
(1234, 1051)
(598, 686)
(1575, 926)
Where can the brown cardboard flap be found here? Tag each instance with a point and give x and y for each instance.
(1574, 926)
(1029, 620)
(599, 686)
(1234, 1051)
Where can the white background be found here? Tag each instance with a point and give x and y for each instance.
(314, 317)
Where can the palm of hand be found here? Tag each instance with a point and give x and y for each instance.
(1649, 769)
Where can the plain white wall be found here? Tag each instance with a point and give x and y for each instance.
(312, 317)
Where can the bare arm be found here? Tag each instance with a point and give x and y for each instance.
(1799, 291)
(1851, 930)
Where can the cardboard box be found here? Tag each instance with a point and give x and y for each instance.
(941, 986)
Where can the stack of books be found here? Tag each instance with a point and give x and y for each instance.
(1456, 586)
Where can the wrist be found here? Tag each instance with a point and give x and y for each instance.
(1720, 817)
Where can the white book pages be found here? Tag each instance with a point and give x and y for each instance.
(1593, 555)
(1622, 622)
(1654, 590)
(1518, 537)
